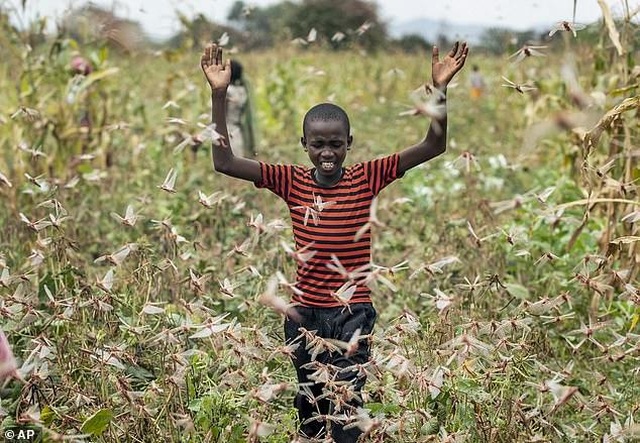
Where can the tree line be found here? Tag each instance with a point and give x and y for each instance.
(334, 24)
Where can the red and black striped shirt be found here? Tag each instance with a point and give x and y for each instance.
(330, 230)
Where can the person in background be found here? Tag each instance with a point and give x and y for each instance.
(239, 114)
(477, 83)
(80, 68)
(80, 65)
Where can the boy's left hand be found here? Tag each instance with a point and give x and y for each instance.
(442, 71)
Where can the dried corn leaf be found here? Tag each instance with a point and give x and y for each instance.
(611, 26)
(592, 137)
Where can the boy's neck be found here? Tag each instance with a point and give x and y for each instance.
(327, 181)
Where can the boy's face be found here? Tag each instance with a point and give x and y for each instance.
(327, 142)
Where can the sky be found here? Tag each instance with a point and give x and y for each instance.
(158, 17)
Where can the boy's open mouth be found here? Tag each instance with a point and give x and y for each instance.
(327, 166)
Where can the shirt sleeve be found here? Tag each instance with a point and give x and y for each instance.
(380, 172)
(276, 178)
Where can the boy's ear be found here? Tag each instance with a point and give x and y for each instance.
(349, 141)
(303, 142)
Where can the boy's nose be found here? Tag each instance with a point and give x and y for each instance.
(326, 155)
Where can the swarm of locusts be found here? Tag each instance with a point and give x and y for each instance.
(141, 295)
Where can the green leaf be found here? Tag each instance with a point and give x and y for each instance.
(84, 168)
(98, 422)
(103, 55)
(375, 408)
(634, 321)
(25, 87)
(383, 408)
(47, 415)
(140, 373)
(95, 76)
(49, 282)
(517, 291)
(195, 405)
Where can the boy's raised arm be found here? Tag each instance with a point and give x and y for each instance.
(435, 142)
(218, 75)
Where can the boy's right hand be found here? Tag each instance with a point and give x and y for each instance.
(218, 74)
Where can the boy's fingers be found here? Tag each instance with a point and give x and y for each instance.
(435, 54)
(464, 53)
(454, 50)
(463, 49)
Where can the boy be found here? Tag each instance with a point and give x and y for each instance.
(329, 205)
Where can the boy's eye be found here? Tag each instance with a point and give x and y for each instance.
(333, 144)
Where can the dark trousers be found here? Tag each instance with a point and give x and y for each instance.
(342, 393)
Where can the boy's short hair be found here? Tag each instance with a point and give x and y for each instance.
(326, 111)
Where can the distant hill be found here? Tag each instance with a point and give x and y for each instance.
(431, 29)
